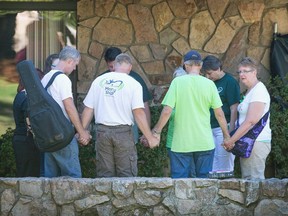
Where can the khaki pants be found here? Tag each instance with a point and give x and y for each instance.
(116, 154)
(254, 166)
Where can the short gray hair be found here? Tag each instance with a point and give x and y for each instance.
(194, 62)
(69, 52)
(123, 58)
(179, 72)
(248, 62)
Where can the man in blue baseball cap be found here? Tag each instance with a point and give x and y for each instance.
(192, 96)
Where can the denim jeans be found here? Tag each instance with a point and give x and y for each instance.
(64, 162)
(191, 164)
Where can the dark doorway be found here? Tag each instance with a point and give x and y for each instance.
(30, 30)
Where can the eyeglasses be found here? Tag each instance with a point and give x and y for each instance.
(244, 71)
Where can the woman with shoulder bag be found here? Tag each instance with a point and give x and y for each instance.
(255, 105)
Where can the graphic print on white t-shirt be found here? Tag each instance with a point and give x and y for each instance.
(111, 86)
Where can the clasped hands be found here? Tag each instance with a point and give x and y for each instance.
(227, 144)
(151, 142)
(83, 138)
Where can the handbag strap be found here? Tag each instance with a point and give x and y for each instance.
(264, 117)
(52, 79)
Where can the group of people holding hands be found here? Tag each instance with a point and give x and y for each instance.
(202, 106)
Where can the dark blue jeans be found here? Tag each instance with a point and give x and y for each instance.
(191, 164)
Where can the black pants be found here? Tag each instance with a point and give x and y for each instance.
(27, 156)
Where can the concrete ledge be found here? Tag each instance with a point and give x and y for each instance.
(142, 196)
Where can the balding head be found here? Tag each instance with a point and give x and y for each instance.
(123, 63)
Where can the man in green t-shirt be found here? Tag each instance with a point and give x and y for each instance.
(192, 96)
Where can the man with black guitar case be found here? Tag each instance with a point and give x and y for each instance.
(52, 130)
(52, 114)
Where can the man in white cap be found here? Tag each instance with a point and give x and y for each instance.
(192, 147)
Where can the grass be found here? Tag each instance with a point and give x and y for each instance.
(7, 94)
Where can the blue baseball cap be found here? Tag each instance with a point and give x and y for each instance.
(192, 55)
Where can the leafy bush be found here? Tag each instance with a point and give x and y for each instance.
(278, 158)
(8, 164)
(88, 160)
(154, 162)
(7, 158)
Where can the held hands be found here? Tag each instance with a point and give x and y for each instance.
(152, 142)
(228, 145)
(84, 138)
(144, 141)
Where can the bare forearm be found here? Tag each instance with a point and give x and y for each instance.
(73, 114)
(241, 131)
(255, 111)
(86, 117)
(84, 135)
(233, 116)
(219, 114)
(147, 113)
(142, 122)
(164, 117)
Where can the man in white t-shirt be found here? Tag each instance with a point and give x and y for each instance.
(115, 99)
(65, 162)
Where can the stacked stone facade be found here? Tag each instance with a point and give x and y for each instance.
(142, 196)
(156, 33)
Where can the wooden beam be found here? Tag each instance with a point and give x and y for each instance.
(39, 6)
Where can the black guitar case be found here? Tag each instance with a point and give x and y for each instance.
(52, 130)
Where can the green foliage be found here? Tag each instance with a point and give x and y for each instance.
(8, 92)
(154, 162)
(8, 165)
(7, 158)
(68, 17)
(279, 126)
(87, 160)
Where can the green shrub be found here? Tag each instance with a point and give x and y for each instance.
(154, 162)
(87, 160)
(7, 158)
(8, 165)
(278, 159)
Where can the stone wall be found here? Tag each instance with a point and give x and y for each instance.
(142, 196)
(158, 32)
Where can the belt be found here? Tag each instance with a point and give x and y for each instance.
(118, 128)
